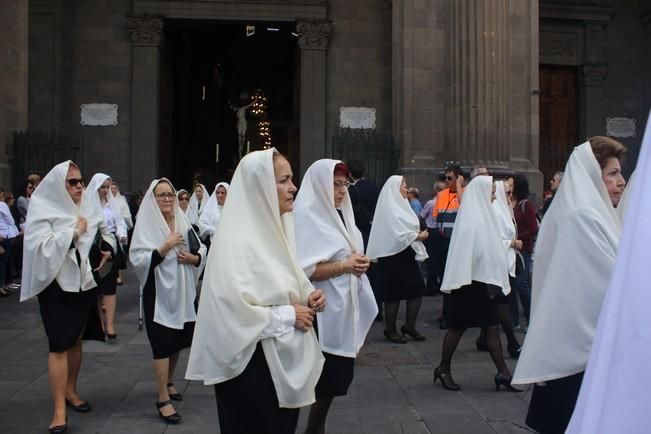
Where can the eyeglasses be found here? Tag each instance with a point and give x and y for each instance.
(184, 198)
(341, 184)
(164, 196)
(73, 182)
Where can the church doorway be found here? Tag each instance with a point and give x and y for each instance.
(225, 87)
(558, 117)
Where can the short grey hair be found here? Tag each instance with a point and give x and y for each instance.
(476, 169)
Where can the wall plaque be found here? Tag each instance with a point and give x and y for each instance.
(620, 127)
(99, 114)
(357, 117)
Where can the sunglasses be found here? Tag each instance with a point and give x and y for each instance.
(449, 178)
(183, 198)
(73, 182)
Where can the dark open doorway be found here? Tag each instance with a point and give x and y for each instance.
(210, 68)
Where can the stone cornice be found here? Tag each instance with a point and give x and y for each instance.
(313, 34)
(145, 30)
(590, 13)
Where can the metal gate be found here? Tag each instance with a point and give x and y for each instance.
(375, 149)
(37, 151)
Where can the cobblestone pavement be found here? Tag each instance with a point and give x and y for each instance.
(392, 391)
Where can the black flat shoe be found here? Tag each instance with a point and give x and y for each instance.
(501, 380)
(446, 379)
(174, 396)
(84, 407)
(58, 429)
(173, 418)
(413, 333)
(394, 337)
(112, 336)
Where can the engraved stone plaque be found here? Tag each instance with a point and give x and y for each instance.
(620, 127)
(99, 114)
(357, 117)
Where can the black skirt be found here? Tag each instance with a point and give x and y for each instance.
(401, 276)
(164, 341)
(66, 315)
(337, 374)
(108, 284)
(248, 403)
(470, 306)
(552, 405)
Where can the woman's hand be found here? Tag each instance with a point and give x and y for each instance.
(317, 300)
(422, 236)
(173, 240)
(185, 257)
(516, 244)
(356, 264)
(304, 317)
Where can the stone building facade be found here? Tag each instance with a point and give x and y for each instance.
(476, 82)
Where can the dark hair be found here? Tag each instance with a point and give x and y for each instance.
(520, 187)
(454, 168)
(342, 169)
(605, 148)
(356, 168)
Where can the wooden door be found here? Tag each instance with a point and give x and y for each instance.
(558, 117)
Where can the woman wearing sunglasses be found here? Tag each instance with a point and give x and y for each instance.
(59, 241)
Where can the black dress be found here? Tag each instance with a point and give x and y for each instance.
(66, 315)
(164, 341)
(248, 403)
(401, 276)
(107, 285)
(552, 405)
(473, 305)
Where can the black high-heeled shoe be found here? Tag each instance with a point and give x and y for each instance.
(501, 380)
(111, 336)
(174, 396)
(411, 332)
(446, 379)
(173, 418)
(394, 337)
(59, 429)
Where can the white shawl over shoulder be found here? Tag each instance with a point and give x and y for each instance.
(351, 307)
(395, 225)
(575, 256)
(49, 231)
(175, 282)
(476, 247)
(254, 268)
(211, 214)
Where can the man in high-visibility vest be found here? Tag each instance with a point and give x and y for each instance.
(445, 213)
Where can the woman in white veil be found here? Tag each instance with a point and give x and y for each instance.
(575, 256)
(62, 225)
(335, 263)
(254, 339)
(210, 216)
(168, 258)
(198, 202)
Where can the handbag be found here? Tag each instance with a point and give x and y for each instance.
(95, 256)
(193, 242)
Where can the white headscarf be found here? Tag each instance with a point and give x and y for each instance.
(505, 224)
(395, 225)
(194, 210)
(94, 185)
(254, 268)
(210, 215)
(476, 247)
(614, 395)
(178, 193)
(123, 206)
(49, 231)
(575, 256)
(351, 307)
(175, 282)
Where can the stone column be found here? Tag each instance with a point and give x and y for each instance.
(146, 36)
(478, 114)
(592, 75)
(313, 39)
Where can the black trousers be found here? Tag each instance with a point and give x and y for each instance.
(248, 404)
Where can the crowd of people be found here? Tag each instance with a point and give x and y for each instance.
(275, 288)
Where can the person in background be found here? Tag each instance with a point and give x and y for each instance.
(414, 202)
(184, 198)
(554, 183)
(8, 232)
(426, 214)
(22, 203)
(478, 170)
